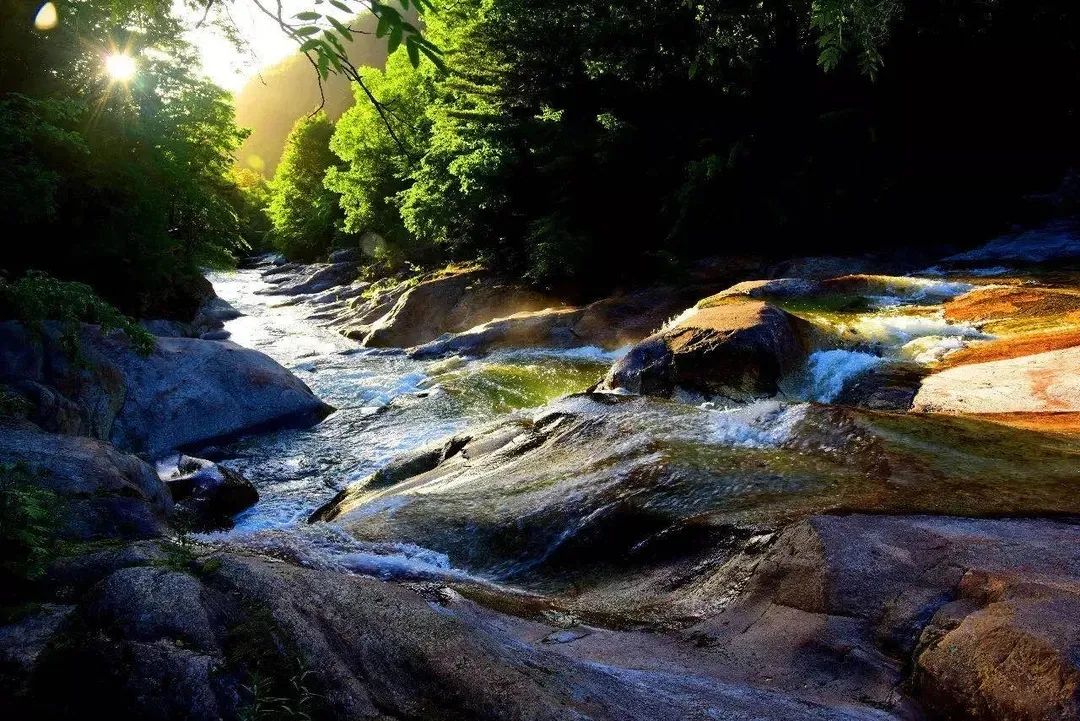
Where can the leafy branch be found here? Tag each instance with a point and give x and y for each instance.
(322, 39)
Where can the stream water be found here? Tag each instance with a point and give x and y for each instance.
(388, 403)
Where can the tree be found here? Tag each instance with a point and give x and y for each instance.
(374, 169)
(122, 186)
(304, 213)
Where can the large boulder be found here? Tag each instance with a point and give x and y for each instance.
(608, 323)
(1041, 383)
(729, 347)
(103, 493)
(186, 392)
(450, 304)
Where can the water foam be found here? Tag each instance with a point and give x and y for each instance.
(827, 372)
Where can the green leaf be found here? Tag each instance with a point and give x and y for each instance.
(332, 39)
(308, 30)
(405, 4)
(341, 6)
(310, 45)
(414, 51)
(342, 30)
(434, 57)
(324, 62)
(385, 23)
(307, 15)
(395, 39)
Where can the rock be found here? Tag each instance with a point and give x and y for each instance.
(452, 303)
(550, 328)
(883, 387)
(1040, 383)
(727, 347)
(40, 369)
(1059, 240)
(598, 487)
(21, 643)
(105, 493)
(346, 255)
(166, 328)
(209, 493)
(212, 315)
(190, 392)
(186, 392)
(216, 335)
(318, 278)
(983, 609)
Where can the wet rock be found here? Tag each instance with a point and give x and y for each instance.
(597, 489)
(205, 492)
(317, 279)
(883, 387)
(216, 335)
(105, 493)
(726, 347)
(452, 303)
(1040, 383)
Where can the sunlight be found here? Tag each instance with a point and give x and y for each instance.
(120, 67)
(46, 18)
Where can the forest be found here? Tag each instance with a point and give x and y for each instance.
(579, 145)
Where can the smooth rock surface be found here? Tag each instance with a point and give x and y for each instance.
(1040, 383)
(737, 349)
(452, 303)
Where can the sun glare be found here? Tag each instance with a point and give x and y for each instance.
(47, 17)
(120, 67)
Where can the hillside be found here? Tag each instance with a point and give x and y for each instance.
(272, 102)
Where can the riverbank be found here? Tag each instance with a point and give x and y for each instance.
(810, 497)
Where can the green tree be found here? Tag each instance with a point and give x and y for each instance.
(121, 185)
(375, 169)
(304, 213)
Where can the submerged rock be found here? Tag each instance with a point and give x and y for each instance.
(738, 349)
(315, 278)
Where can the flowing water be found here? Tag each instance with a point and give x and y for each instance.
(388, 403)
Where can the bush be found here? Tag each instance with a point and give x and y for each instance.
(28, 529)
(38, 297)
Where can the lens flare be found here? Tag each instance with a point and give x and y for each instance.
(47, 17)
(120, 67)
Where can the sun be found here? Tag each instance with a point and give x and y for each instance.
(120, 67)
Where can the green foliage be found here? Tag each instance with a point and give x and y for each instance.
(374, 169)
(122, 186)
(859, 26)
(28, 528)
(38, 297)
(303, 212)
(586, 144)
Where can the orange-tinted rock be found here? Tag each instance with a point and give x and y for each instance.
(729, 347)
